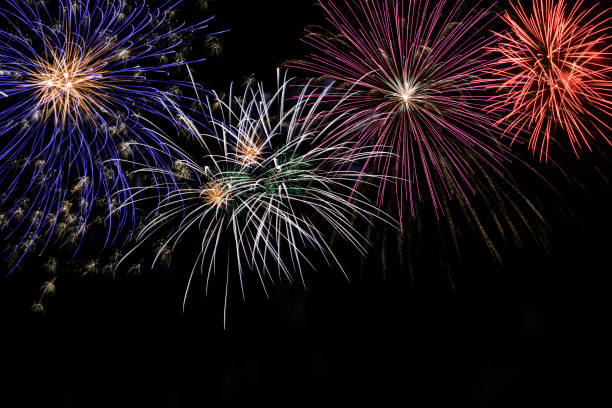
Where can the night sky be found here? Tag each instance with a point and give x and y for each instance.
(464, 330)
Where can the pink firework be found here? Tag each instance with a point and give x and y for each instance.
(415, 73)
(555, 73)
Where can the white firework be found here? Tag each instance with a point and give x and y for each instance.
(265, 193)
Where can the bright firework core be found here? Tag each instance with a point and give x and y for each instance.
(65, 85)
(62, 84)
(249, 152)
(215, 194)
(406, 93)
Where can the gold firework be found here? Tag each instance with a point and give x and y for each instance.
(249, 152)
(216, 194)
(71, 84)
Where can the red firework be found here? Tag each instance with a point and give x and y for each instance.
(555, 72)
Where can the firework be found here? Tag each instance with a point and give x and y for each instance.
(263, 195)
(415, 69)
(79, 82)
(555, 69)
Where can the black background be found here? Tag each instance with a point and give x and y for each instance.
(525, 333)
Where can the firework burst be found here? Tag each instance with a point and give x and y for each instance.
(416, 73)
(263, 196)
(79, 82)
(555, 69)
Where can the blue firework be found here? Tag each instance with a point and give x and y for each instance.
(81, 83)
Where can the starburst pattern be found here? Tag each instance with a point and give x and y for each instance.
(555, 69)
(416, 71)
(263, 196)
(79, 83)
